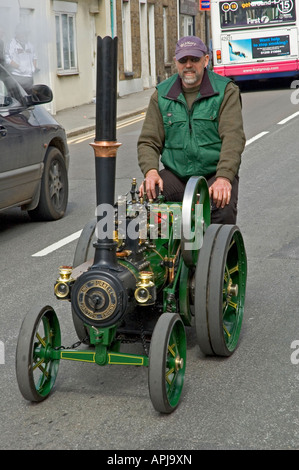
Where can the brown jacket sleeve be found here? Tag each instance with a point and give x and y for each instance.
(151, 139)
(231, 133)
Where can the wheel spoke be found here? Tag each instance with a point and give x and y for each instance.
(38, 364)
(168, 373)
(170, 349)
(173, 364)
(55, 184)
(225, 329)
(234, 269)
(41, 340)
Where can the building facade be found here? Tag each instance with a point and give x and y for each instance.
(64, 35)
(148, 31)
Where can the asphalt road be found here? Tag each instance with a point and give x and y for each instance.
(249, 401)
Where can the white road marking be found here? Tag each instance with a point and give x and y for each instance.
(91, 135)
(58, 244)
(292, 116)
(256, 137)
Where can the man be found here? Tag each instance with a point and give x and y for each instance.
(21, 58)
(194, 121)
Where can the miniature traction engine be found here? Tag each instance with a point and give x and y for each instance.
(143, 271)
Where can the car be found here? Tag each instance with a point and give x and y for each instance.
(34, 154)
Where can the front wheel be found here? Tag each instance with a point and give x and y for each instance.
(54, 188)
(35, 369)
(167, 362)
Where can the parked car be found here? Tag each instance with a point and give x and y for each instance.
(34, 155)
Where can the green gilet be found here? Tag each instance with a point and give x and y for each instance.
(192, 142)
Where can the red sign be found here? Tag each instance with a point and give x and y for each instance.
(204, 5)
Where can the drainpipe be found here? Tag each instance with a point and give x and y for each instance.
(178, 18)
(112, 17)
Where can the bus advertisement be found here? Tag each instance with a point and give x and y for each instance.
(255, 39)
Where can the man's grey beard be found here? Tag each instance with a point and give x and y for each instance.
(189, 80)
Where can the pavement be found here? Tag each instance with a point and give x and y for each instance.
(80, 119)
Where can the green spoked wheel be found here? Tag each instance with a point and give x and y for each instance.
(196, 216)
(167, 362)
(36, 369)
(220, 285)
(84, 252)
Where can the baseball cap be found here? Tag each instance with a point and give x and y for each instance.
(190, 45)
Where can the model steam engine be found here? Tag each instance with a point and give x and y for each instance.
(143, 271)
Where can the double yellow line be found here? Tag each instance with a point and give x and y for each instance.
(91, 135)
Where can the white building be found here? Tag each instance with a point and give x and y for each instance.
(64, 34)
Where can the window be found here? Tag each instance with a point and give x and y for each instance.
(186, 25)
(66, 43)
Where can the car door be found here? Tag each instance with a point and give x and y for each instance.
(21, 149)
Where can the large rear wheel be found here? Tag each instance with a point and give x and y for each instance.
(220, 285)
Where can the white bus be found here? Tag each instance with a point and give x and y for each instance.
(255, 39)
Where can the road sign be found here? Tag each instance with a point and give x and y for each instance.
(204, 5)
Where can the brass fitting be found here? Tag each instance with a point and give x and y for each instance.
(63, 283)
(145, 292)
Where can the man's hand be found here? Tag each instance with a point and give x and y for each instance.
(220, 192)
(152, 178)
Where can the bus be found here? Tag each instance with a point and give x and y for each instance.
(255, 39)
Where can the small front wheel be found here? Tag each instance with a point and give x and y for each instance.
(167, 362)
(36, 368)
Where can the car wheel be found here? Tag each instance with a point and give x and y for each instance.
(54, 188)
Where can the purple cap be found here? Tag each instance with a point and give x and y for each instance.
(190, 45)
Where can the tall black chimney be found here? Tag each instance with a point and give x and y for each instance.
(105, 145)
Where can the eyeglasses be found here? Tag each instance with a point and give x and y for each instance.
(184, 60)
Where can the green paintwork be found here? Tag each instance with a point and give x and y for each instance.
(105, 351)
(96, 357)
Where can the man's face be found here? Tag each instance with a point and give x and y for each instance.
(191, 69)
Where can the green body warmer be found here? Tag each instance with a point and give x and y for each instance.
(192, 142)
